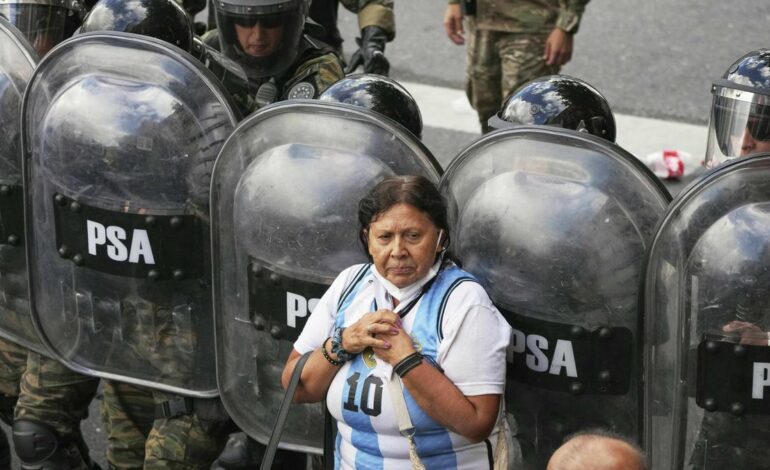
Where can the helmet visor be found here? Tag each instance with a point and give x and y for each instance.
(739, 125)
(264, 43)
(44, 26)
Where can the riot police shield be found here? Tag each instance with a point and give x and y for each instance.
(120, 134)
(285, 198)
(707, 314)
(17, 61)
(554, 223)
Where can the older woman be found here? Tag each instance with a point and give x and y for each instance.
(409, 327)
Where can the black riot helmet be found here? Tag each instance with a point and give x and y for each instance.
(161, 19)
(43, 22)
(261, 35)
(380, 94)
(561, 101)
(740, 110)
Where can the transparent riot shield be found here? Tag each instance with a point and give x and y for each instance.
(285, 198)
(707, 317)
(120, 134)
(17, 61)
(555, 224)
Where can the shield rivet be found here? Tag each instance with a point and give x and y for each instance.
(576, 388)
(64, 252)
(74, 206)
(256, 270)
(175, 222)
(276, 332)
(739, 350)
(153, 275)
(737, 409)
(275, 279)
(710, 404)
(712, 346)
(577, 331)
(78, 259)
(60, 199)
(5, 190)
(178, 274)
(13, 240)
(605, 376)
(605, 333)
(259, 322)
(149, 221)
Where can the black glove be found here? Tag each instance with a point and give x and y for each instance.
(371, 52)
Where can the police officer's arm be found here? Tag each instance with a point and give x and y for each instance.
(377, 13)
(378, 26)
(453, 22)
(558, 46)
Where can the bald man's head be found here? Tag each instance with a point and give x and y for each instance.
(593, 451)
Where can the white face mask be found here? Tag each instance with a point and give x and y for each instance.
(404, 293)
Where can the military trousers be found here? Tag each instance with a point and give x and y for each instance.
(138, 439)
(13, 363)
(498, 63)
(58, 397)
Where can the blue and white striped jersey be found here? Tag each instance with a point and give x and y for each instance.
(454, 325)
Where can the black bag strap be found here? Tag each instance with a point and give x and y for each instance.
(283, 412)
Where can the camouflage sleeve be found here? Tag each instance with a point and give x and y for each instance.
(321, 72)
(570, 12)
(374, 13)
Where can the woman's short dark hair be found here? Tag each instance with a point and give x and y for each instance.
(414, 190)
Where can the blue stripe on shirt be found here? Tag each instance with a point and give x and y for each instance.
(363, 436)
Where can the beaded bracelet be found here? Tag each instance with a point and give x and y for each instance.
(408, 363)
(342, 355)
(327, 356)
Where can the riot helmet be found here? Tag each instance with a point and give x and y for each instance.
(162, 19)
(561, 101)
(261, 35)
(380, 94)
(43, 23)
(740, 111)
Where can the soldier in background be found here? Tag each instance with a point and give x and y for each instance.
(510, 45)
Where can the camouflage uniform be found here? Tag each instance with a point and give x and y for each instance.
(316, 64)
(13, 361)
(54, 395)
(137, 439)
(370, 13)
(506, 41)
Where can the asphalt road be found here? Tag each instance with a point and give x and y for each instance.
(653, 58)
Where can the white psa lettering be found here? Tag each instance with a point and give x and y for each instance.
(761, 380)
(536, 348)
(536, 360)
(298, 307)
(563, 358)
(113, 237)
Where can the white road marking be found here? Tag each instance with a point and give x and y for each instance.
(448, 108)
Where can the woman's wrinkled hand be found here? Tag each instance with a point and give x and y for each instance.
(401, 345)
(371, 330)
